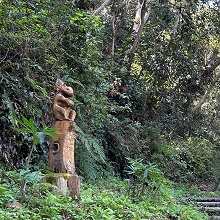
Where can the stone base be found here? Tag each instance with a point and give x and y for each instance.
(65, 183)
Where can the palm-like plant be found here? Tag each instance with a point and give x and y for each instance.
(38, 135)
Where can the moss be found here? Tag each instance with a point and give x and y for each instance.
(52, 177)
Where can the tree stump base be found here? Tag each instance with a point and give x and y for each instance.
(65, 183)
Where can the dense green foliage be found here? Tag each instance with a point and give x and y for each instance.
(145, 78)
(100, 199)
(39, 45)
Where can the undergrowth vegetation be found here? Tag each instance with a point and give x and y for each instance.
(135, 110)
(104, 198)
(140, 133)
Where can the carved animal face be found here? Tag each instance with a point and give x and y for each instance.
(61, 87)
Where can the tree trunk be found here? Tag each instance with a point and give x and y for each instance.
(202, 100)
(141, 18)
(115, 28)
(101, 7)
(64, 183)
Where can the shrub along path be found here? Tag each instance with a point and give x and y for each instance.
(210, 205)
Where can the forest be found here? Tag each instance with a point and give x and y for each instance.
(145, 75)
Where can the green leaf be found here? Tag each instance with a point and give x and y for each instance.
(145, 173)
(33, 177)
(67, 78)
(12, 116)
(51, 132)
(36, 139)
(23, 172)
(2, 190)
(28, 126)
(41, 136)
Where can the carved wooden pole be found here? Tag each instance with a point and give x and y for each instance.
(61, 152)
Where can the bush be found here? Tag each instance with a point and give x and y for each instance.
(187, 161)
(103, 198)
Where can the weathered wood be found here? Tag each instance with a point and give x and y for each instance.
(62, 102)
(59, 180)
(209, 199)
(73, 184)
(212, 209)
(214, 218)
(210, 204)
(64, 183)
(61, 152)
(14, 205)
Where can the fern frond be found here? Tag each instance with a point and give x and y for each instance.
(94, 148)
(87, 165)
(89, 154)
(36, 87)
(10, 106)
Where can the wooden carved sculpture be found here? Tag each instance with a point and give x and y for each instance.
(61, 152)
(62, 102)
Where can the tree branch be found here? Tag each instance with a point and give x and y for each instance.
(115, 27)
(4, 56)
(211, 67)
(202, 100)
(100, 8)
(140, 19)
